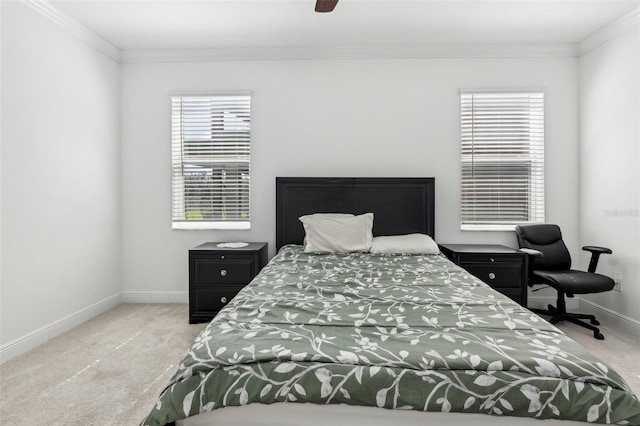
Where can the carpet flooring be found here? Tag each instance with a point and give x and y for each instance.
(85, 376)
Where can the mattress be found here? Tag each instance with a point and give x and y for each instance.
(403, 333)
(307, 414)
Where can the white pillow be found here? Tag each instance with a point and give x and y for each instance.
(337, 232)
(405, 244)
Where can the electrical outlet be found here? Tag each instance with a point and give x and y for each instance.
(617, 279)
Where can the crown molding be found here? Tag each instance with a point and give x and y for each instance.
(609, 32)
(351, 52)
(468, 50)
(75, 28)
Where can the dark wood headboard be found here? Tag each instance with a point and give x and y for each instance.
(400, 205)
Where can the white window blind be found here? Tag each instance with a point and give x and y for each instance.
(502, 160)
(210, 150)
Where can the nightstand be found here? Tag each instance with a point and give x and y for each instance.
(503, 268)
(217, 274)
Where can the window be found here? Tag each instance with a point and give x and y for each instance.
(210, 150)
(502, 160)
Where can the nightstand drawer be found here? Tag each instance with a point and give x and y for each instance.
(498, 276)
(217, 274)
(230, 270)
(503, 268)
(486, 258)
(513, 293)
(209, 300)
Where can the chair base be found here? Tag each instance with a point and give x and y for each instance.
(560, 313)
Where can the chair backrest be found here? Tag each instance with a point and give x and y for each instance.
(548, 240)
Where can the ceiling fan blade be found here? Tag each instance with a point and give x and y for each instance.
(325, 5)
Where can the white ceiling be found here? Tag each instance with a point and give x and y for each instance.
(213, 24)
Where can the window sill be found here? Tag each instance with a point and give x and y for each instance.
(189, 226)
(510, 228)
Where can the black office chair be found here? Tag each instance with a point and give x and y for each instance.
(550, 263)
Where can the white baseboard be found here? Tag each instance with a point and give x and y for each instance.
(615, 319)
(56, 328)
(155, 297)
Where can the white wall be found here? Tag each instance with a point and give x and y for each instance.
(328, 118)
(82, 221)
(609, 93)
(60, 176)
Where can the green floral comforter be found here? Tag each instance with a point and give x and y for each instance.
(394, 331)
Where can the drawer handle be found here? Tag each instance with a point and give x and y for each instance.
(223, 299)
(492, 276)
(492, 259)
(223, 272)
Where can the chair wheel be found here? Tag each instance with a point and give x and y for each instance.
(595, 322)
(598, 335)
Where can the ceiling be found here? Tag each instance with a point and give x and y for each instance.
(219, 24)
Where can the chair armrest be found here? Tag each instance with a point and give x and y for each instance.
(596, 249)
(531, 252)
(595, 255)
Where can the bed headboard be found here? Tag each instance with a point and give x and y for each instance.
(400, 205)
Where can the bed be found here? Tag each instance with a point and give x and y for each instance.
(362, 338)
